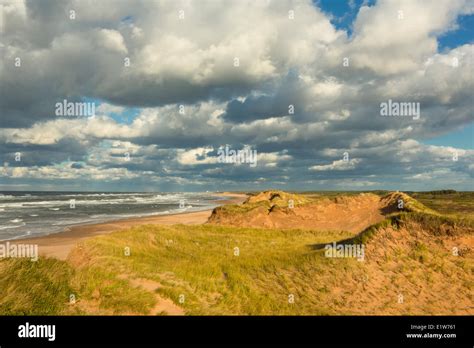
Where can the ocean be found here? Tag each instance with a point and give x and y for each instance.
(32, 214)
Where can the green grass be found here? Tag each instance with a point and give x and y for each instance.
(457, 204)
(277, 198)
(199, 263)
(364, 236)
(45, 288)
(437, 225)
(34, 288)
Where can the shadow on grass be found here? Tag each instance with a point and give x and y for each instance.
(321, 246)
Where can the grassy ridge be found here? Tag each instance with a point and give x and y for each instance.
(198, 269)
(266, 200)
(200, 262)
(436, 224)
(195, 261)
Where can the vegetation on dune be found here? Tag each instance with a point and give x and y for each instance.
(199, 262)
(435, 224)
(451, 203)
(414, 211)
(270, 199)
(49, 287)
(364, 236)
(408, 204)
(202, 264)
(34, 288)
(266, 200)
(218, 270)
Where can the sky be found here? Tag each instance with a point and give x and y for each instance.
(172, 83)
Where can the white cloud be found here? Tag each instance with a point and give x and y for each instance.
(395, 36)
(196, 156)
(190, 62)
(111, 40)
(337, 165)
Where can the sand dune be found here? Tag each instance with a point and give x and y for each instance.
(417, 261)
(271, 209)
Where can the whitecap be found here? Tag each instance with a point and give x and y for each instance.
(11, 226)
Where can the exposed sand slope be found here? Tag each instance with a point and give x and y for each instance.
(270, 209)
(409, 268)
(416, 264)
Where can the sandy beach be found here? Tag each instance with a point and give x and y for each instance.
(58, 245)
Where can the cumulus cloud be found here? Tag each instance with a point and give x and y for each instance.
(274, 75)
(394, 36)
(337, 165)
(196, 156)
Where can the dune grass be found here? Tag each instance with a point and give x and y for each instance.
(34, 288)
(267, 200)
(276, 272)
(219, 270)
(48, 286)
(273, 272)
(197, 264)
(211, 269)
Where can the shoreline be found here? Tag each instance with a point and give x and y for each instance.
(59, 244)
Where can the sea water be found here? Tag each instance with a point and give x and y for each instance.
(32, 214)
